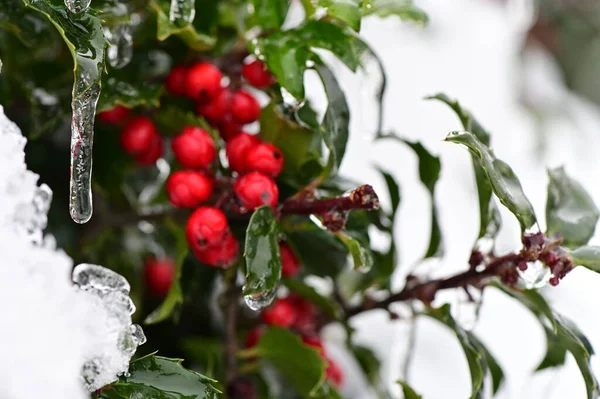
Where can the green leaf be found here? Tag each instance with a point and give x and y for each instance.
(393, 190)
(326, 305)
(347, 11)
(494, 368)
(174, 297)
(475, 359)
(503, 180)
(119, 92)
(404, 9)
(301, 146)
(489, 215)
(160, 378)
(408, 392)
(270, 14)
(335, 127)
(171, 120)
(361, 257)
(300, 364)
(371, 366)
(587, 256)
(570, 210)
(263, 261)
(556, 352)
(188, 33)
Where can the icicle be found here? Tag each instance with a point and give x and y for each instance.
(121, 50)
(182, 11)
(77, 6)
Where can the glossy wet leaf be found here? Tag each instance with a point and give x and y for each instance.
(503, 180)
(570, 210)
(361, 257)
(494, 368)
(347, 11)
(475, 359)
(403, 9)
(556, 352)
(587, 256)
(326, 305)
(261, 252)
(171, 120)
(270, 14)
(188, 33)
(19, 21)
(300, 364)
(489, 215)
(119, 92)
(159, 377)
(408, 391)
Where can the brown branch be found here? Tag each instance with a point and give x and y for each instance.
(363, 197)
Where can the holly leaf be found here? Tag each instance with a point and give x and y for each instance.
(501, 177)
(171, 120)
(570, 210)
(326, 305)
(587, 256)
(361, 257)
(263, 261)
(493, 366)
(408, 392)
(403, 9)
(186, 32)
(161, 378)
(119, 92)
(301, 365)
(489, 215)
(469, 344)
(347, 11)
(270, 14)
(556, 352)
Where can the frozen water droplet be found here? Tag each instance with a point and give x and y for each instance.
(261, 300)
(137, 334)
(537, 275)
(77, 6)
(99, 278)
(120, 52)
(83, 104)
(182, 11)
(142, 185)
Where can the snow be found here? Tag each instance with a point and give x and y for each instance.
(53, 331)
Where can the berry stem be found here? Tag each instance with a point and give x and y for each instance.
(363, 197)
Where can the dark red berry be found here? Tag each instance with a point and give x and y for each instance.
(159, 275)
(315, 342)
(203, 81)
(229, 129)
(175, 81)
(244, 107)
(257, 74)
(138, 135)
(334, 373)
(222, 254)
(237, 148)
(188, 188)
(255, 189)
(194, 148)
(206, 226)
(115, 116)
(306, 315)
(217, 109)
(265, 158)
(282, 313)
(290, 265)
(253, 337)
(152, 154)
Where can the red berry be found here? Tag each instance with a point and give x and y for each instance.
(114, 116)
(194, 148)
(244, 107)
(290, 265)
(206, 226)
(222, 254)
(265, 158)
(229, 129)
(306, 315)
(315, 342)
(188, 188)
(159, 275)
(255, 189)
(282, 313)
(253, 337)
(334, 373)
(237, 148)
(217, 109)
(152, 154)
(138, 135)
(203, 81)
(257, 74)
(175, 81)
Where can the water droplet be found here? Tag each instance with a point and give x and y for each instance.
(137, 334)
(182, 11)
(537, 275)
(261, 300)
(120, 51)
(77, 6)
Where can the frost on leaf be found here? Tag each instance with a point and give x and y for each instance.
(60, 335)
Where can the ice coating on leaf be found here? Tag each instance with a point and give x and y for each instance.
(261, 300)
(182, 11)
(77, 6)
(120, 52)
(57, 337)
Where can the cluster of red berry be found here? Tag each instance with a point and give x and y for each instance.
(298, 314)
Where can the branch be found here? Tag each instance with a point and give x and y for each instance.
(363, 197)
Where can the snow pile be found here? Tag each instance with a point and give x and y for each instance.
(57, 338)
